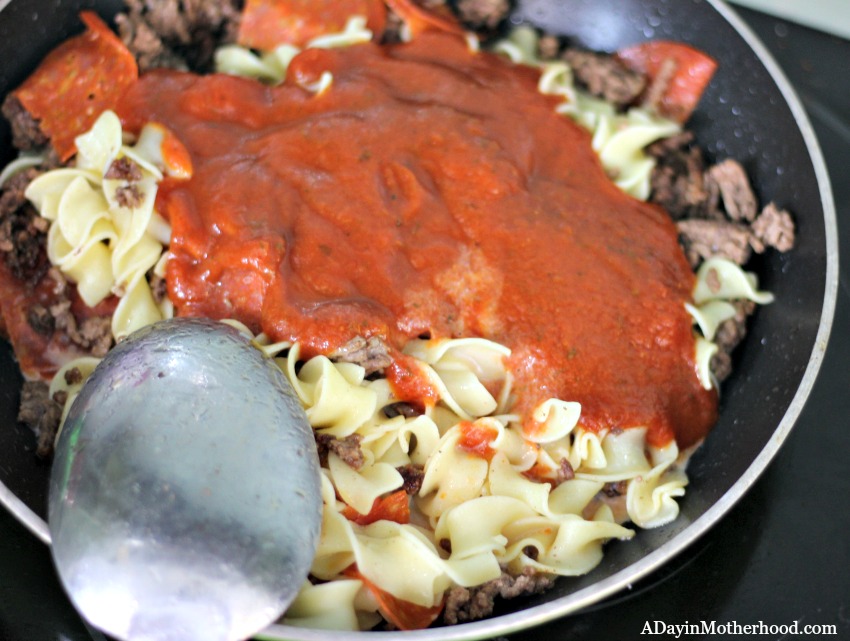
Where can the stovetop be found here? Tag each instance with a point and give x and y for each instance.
(781, 556)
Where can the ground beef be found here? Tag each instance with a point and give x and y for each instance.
(129, 196)
(124, 169)
(180, 34)
(348, 449)
(40, 413)
(371, 354)
(775, 228)
(677, 182)
(26, 133)
(702, 239)
(729, 180)
(41, 320)
(729, 335)
(413, 476)
(470, 604)
(605, 76)
(23, 232)
(565, 472)
(93, 334)
(483, 15)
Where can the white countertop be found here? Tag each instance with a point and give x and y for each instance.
(832, 16)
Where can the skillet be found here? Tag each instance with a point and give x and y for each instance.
(750, 113)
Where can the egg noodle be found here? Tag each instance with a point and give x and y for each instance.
(500, 506)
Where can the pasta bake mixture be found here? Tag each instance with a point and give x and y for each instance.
(495, 268)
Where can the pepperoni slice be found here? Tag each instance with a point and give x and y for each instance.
(268, 23)
(402, 614)
(419, 19)
(76, 82)
(691, 72)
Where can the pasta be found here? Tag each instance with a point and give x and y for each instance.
(618, 138)
(498, 486)
(100, 240)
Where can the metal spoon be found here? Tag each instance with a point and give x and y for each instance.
(185, 497)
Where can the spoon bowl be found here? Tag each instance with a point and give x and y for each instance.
(184, 499)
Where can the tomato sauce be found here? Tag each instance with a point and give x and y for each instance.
(432, 191)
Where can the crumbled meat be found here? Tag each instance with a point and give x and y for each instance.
(348, 449)
(60, 286)
(470, 604)
(41, 414)
(413, 476)
(124, 169)
(148, 48)
(775, 228)
(129, 196)
(26, 133)
(41, 320)
(676, 181)
(483, 15)
(565, 472)
(178, 33)
(94, 334)
(371, 354)
(729, 335)
(729, 179)
(23, 232)
(605, 76)
(73, 376)
(702, 239)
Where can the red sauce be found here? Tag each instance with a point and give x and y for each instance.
(392, 507)
(409, 383)
(475, 439)
(429, 190)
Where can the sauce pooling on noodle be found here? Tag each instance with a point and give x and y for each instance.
(429, 190)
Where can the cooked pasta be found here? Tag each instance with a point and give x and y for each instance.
(502, 488)
(483, 505)
(618, 138)
(105, 235)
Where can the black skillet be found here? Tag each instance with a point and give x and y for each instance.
(749, 113)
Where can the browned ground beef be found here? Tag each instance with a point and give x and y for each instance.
(677, 182)
(23, 232)
(774, 227)
(182, 34)
(40, 413)
(729, 335)
(605, 76)
(348, 449)
(702, 239)
(469, 604)
(371, 354)
(413, 476)
(26, 133)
